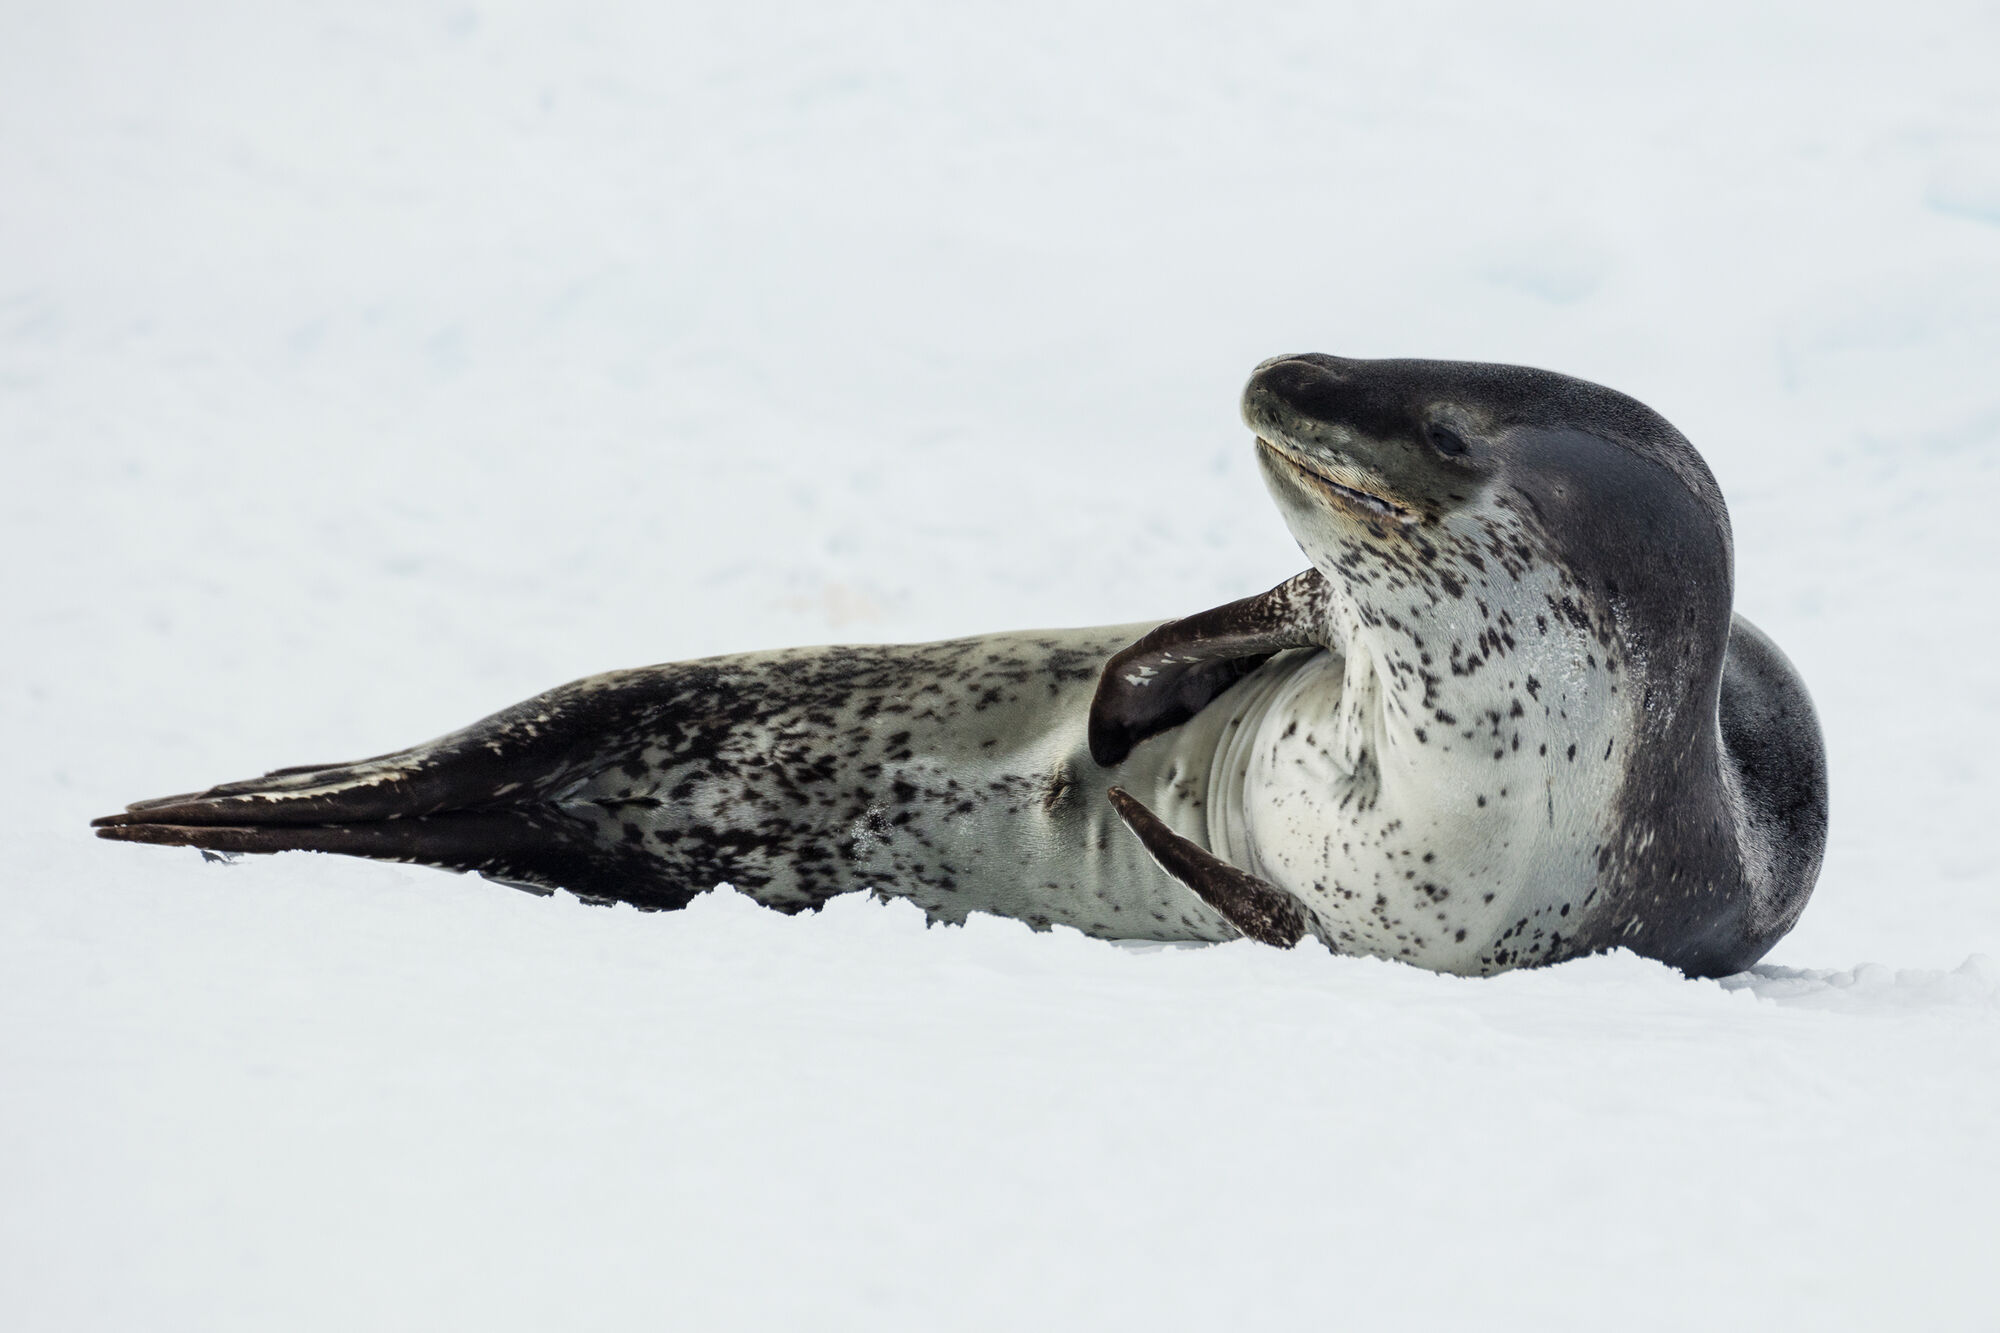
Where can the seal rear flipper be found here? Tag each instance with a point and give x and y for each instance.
(501, 797)
(541, 848)
(1258, 908)
(1173, 672)
(529, 753)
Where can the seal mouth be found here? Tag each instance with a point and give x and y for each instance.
(1362, 503)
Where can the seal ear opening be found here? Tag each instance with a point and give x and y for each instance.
(1174, 672)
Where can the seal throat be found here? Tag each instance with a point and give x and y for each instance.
(1365, 503)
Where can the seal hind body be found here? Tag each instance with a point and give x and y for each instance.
(955, 774)
(1506, 718)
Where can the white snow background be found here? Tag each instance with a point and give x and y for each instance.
(365, 367)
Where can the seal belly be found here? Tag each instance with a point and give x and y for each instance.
(955, 774)
(1434, 851)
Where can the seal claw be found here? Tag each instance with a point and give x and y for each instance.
(1260, 909)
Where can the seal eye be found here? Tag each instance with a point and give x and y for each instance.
(1446, 440)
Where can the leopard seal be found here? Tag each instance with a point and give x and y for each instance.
(1506, 718)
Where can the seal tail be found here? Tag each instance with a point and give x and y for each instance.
(504, 797)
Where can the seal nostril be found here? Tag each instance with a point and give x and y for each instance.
(1306, 387)
(1446, 440)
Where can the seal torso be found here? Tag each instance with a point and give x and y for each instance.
(954, 774)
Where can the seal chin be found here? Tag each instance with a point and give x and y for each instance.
(1343, 493)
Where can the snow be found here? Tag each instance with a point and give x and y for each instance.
(365, 368)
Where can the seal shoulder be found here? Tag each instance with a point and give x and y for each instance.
(1775, 759)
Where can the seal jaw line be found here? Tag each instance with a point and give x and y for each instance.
(1363, 503)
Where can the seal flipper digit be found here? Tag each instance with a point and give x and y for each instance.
(1172, 673)
(1254, 906)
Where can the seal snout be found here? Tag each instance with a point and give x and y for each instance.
(1303, 410)
(1303, 402)
(1311, 385)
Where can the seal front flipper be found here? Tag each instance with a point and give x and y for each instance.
(1173, 672)
(1258, 908)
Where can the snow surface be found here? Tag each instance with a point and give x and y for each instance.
(366, 367)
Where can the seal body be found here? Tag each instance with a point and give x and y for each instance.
(954, 774)
(1506, 718)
